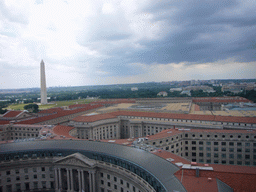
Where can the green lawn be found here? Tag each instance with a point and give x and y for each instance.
(56, 104)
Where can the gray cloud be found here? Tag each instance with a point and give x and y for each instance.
(207, 31)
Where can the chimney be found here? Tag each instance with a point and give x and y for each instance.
(197, 172)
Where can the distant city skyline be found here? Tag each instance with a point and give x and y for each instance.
(118, 42)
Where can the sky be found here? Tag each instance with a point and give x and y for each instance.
(88, 42)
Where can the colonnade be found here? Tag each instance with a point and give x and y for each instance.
(74, 180)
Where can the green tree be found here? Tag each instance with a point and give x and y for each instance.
(32, 108)
(2, 111)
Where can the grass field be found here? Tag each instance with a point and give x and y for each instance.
(55, 104)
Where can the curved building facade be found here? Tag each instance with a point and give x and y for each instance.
(69, 165)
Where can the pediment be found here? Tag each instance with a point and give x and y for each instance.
(76, 159)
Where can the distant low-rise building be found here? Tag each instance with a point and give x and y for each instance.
(237, 88)
(134, 89)
(205, 88)
(162, 93)
(186, 92)
(175, 89)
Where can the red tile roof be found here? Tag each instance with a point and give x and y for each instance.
(12, 113)
(166, 155)
(58, 113)
(164, 134)
(78, 106)
(52, 110)
(240, 178)
(63, 130)
(4, 122)
(235, 119)
(198, 184)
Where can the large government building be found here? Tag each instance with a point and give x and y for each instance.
(144, 145)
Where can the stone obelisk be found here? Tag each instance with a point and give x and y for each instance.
(43, 84)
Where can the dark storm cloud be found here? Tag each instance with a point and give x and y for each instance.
(201, 18)
(207, 31)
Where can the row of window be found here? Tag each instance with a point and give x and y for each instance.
(223, 136)
(28, 186)
(26, 177)
(115, 184)
(115, 187)
(167, 140)
(191, 121)
(26, 170)
(223, 143)
(231, 162)
(102, 133)
(239, 150)
(28, 129)
(223, 155)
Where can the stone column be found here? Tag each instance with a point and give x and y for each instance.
(140, 131)
(72, 181)
(118, 134)
(131, 132)
(90, 181)
(83, 187)
(68, 178)
(91, 133)
(60, 181)
(56, 180)
(79, 179)
(93, 181)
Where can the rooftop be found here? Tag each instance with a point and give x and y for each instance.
(12, 113)
(56, 113)
(220, 99)
(186, 116)
(61, 130)
(2, 122)
(93, 118)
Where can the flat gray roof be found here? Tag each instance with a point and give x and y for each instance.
(157, 166)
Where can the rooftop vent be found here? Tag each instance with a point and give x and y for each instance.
(209, 179)
(193, 163)
(179, 164)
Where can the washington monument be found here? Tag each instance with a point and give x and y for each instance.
(43, 84)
